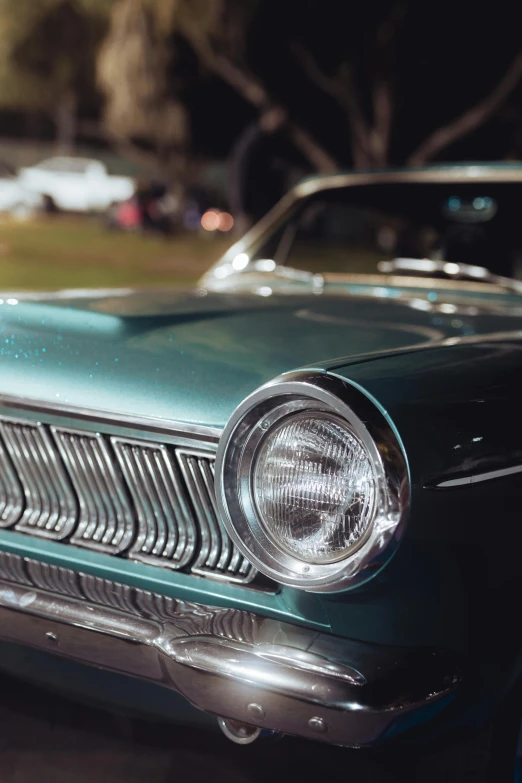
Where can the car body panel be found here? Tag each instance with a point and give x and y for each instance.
(14, 195)
(222, 347)
(190, 358)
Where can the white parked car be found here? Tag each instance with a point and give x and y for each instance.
(15, 198)
(78, 184)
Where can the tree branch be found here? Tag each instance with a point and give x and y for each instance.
(469, 120)
(339, 88)
(323, 162)
(379, 139)
(253, 91)
(382, 92)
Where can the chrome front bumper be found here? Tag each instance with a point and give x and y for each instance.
(228, 662)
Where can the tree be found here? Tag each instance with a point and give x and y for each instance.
(144, 115)
(362, 80)
(218, 31)
(47, 59)
(365, 66)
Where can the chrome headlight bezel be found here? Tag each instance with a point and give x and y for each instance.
(239, 446)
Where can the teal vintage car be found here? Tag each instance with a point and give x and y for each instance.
(291, 497)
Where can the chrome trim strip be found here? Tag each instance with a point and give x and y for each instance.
(208, 435)
(478, 477)
(408, 281)
(447, 342)
(451, 175)
(225, 660)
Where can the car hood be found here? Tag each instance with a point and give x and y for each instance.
(192, 356)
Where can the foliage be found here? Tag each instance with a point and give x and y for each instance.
(301, 65)
(353, 62)
(47, 57)
(133, 70)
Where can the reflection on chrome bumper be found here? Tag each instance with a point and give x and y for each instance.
(224, 661)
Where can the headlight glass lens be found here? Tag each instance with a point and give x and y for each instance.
(315, 487)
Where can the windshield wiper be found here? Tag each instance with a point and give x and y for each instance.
(448, 269)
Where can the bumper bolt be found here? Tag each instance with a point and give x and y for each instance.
(256, 711)
(318, 725)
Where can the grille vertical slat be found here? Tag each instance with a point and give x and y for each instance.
(37, 511)
(206, 488)
(48, 496)
(217, 556)
(12, 568)
(106, 521)
(148, 501)
(207, 548)
(160, 536)
(50, 505)
(167, 533)
(54, 578)
(104, 591)
(11, 496)
(83, 482)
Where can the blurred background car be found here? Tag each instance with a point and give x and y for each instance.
(154, 207)
(76, 184)
(151, 208)
(16, 199)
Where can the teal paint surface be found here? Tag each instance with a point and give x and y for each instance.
(191, 358)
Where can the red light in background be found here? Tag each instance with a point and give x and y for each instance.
(210, 220)
(226, 221)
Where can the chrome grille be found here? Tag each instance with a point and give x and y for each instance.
(50, 506)
(166, 528)
(143, 500)
(217, 553)
(106, 521)
(11, 496)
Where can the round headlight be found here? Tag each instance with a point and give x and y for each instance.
(314, 487)
(312, 483)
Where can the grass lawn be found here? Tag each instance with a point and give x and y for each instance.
(73, 252)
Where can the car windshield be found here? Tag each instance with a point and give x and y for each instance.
(353, 229)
